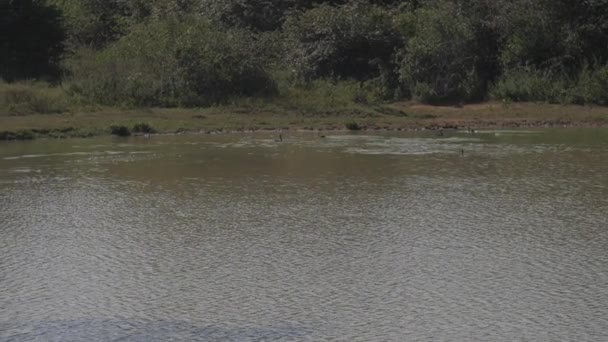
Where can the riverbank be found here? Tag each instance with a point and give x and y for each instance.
(256, 117)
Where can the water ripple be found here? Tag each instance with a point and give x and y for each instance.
(306, 241)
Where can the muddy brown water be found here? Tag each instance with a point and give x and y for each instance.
(388, 237)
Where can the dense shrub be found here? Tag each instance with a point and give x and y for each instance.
(560, 35)
(356, 40)
(590, 86)
(337, 52)
(172, 63)
(529, 84)
(322, 95)
(143, 128)
(23, 134)
(261, 15)
(256, 15)
(121, 131)
(441, 59)
(352, 126)
(93, 23)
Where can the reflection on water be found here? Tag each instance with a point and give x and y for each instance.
(344, 238)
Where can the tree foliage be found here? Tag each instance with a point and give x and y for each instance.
(94, 23)
(193, 52)
(172, 62)
(441, 58)
(31, 40)
(351, 41)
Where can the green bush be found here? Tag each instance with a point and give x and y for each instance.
(18, 135)
(590, 86)
(143, 128)
(353, 126)
(339, 54)
(321, 96)
(531, 38)
(92, 22)
(441, 59)
(172, 63)
(121, 131)
(257, 15)
(528, 84)
(32, 98)
(353, 41)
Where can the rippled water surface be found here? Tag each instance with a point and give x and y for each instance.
(343, 238)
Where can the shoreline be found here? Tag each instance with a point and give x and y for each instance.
(217, 120)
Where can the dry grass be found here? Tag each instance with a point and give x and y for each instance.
(495, 114)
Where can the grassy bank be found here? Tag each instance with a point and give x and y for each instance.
(397, 116)
(29, 111)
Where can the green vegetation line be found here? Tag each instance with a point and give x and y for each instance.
(347, 59)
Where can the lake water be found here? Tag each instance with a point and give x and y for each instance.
(388, 237)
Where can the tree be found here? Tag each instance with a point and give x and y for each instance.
(255, 15)
(355, 41)
(265, 15)
(95, 23)
(173, 62)
(31, 41)
(441, 60)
